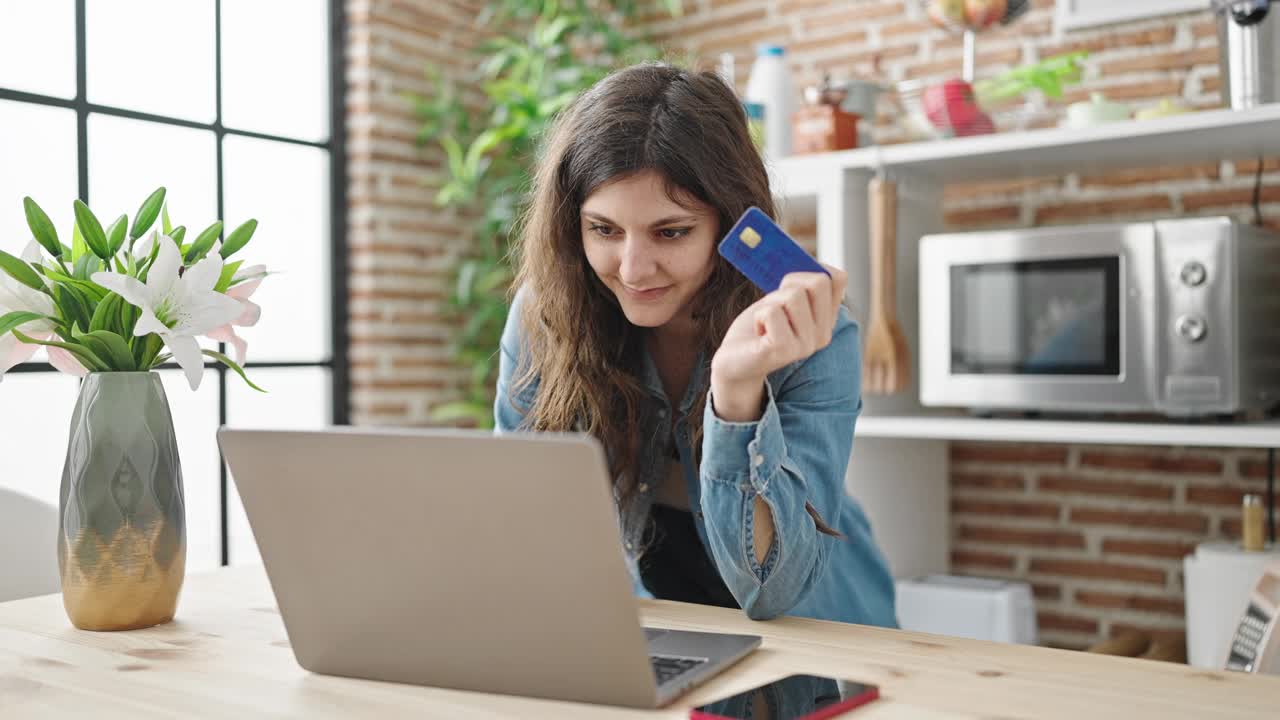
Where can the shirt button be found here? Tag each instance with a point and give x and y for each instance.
(662, 412)
(644, 487)
(630, 546)
(758, 460)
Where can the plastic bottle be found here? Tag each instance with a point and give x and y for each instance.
(769, 84)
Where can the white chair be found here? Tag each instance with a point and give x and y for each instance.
(28, 546)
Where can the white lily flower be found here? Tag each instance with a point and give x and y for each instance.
(176, 305)
(247, 281)
(16, 297)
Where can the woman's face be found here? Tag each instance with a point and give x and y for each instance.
(651, 252)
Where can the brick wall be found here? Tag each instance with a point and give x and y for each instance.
(1100, 532)
(402, 246)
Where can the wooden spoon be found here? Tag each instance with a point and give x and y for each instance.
(886, 366)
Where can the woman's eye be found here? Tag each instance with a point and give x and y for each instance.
(602, 230)
(673, 233)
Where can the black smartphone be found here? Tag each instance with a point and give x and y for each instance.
(795, 697)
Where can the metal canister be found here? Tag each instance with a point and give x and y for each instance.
(1249, 51)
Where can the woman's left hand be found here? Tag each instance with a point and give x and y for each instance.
(787, 325)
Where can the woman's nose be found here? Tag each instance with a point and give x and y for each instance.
(638, 262)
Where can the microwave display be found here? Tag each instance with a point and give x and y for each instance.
(1042, 317)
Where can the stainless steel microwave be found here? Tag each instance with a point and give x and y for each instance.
(1179, 317)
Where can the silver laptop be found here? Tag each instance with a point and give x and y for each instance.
(459, 559)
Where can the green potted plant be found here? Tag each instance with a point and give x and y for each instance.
(111, 307)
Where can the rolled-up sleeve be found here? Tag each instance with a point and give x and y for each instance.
(509, 407)
(794, 458)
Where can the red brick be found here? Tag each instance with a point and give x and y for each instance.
(977, 217)
(1097, 570)
(844, 40)
(1251, 468)
(861, 57)
(1177, 60)
(1210, 84)
(1045, 591)
(1006, 508)
(1205, 29)
(953, 66)
(987, 481)
(1223, 496)
(1023, 536)
(694, 25)
(1141, 38)
(965, 191)
(906, 27)
(744, 40)
(1147, 547)
(1249, 167)
(1008, 453)
(970, 558)
(1145, 176)
(1122, 601)
(853, 13)
(1185, 521)
(1100, 486)
(1065, 623)
(1193, 202)
(1175, 635)
(1078, 210)
(1152, 462)
(1171, 87)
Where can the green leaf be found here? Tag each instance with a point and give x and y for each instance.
(127, 318)
(85, 266)
(478, 413)
(232, 364)
(466, 281)
(147, 213)
(457, 164)
(115, 234)
(110, 347)
(14, 319)
(178, 234)
(165, 226)
(105, 314)
(87, 358)
(228, 273)
(79, 247)
(203, 242)
(20, 271)
(42, 227)
(93, 290)
(552, 33)
(92, 229)
(238, 238)
(76, 308)
(145, 351)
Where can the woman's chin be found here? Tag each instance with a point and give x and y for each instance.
(647, 316)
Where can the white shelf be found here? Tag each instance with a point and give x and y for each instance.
(961, 427)
(1199, 137)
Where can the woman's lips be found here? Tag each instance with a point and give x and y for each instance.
(646, 295)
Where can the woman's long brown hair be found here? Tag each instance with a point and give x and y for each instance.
(688, 127)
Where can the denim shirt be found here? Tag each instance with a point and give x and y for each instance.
(795, 454)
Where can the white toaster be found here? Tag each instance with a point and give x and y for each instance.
(978, 608)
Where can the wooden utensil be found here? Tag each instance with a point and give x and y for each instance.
(886, 366)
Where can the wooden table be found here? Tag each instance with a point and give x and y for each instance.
(226, 657)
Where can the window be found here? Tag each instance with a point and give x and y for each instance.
(236, 108)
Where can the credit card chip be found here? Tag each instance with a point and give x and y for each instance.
(749, 237)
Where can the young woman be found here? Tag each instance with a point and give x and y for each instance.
(727, 415)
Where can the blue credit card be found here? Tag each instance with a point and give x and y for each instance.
(764, 252)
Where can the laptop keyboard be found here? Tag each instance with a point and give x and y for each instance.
(666, 667)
